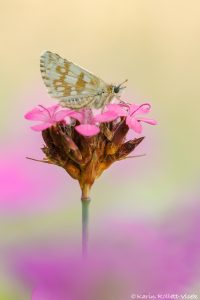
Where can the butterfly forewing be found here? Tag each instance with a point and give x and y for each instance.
(74, 86)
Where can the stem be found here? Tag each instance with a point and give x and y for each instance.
(85, 219)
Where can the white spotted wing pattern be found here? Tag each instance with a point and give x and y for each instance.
(72, 85)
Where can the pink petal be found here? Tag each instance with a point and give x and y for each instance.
(61, 114)
(87, 129)
(105, 117)
(149, 121)
(37, 114)
(118, 109)
(132, 108)
(140, 109)
(41, 127)
(77, 115)
(67, 120)
(53, 109)
(134, 124)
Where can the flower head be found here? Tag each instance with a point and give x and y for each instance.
(84, 142)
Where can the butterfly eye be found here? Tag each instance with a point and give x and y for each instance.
(116, 89)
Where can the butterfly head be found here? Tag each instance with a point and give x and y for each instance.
(117, 88)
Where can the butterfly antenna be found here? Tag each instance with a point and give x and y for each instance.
(120, 85)
(123, 87)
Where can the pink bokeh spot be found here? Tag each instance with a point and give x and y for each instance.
(27, 185)
(142, 258)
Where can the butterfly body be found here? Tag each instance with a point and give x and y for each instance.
(74, 86)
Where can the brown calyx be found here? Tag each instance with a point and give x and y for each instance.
(85, 158)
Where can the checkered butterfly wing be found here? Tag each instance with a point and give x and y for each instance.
(72, 85)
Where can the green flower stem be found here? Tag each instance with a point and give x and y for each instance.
(85, 225)
(85, 219)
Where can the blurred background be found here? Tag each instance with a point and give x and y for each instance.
(156, 45)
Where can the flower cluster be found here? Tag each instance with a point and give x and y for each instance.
(85, 142)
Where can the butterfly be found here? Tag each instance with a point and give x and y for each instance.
(74, 86)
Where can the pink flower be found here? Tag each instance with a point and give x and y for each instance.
(88, 121)
(131, 112)
(134, 121)
(48, 116)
